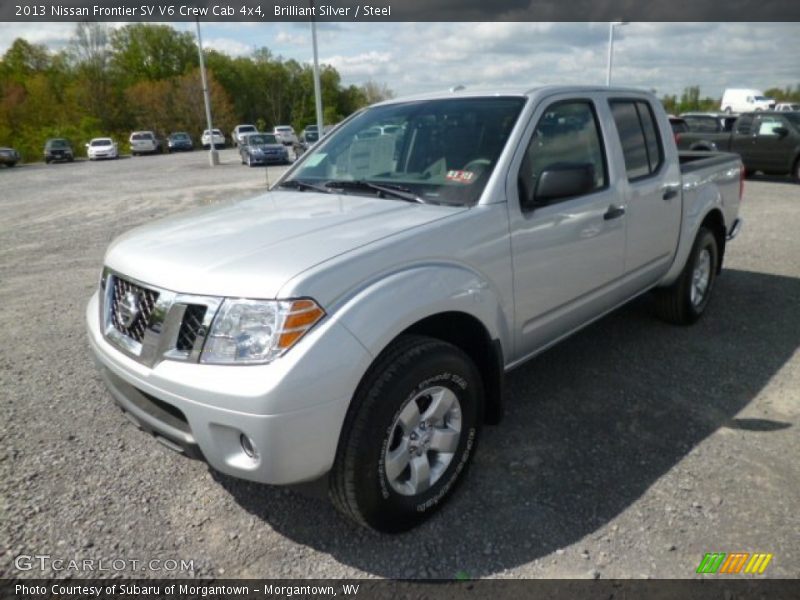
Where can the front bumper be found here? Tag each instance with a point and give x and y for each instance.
(267, 159)
(291, 409)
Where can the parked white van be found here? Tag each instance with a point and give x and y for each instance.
(743, 100)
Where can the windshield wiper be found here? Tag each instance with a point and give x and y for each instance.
(304, 185)
(388, 190)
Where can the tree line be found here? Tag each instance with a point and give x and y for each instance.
(691, 101)
(109, 82)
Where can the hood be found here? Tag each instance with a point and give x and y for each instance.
(251, 248)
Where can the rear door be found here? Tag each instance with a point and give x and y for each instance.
(651, 184)
(568, 253)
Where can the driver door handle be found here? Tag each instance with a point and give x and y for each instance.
(613, 212)
(670, 193)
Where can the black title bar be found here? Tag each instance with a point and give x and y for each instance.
(398, 10)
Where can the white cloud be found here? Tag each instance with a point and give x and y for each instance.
(419, 57)
(228, 46)
(291, 39)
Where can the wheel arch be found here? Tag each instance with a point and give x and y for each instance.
(470, 335)
(446, 302)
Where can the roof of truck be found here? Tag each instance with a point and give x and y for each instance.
(512, 91)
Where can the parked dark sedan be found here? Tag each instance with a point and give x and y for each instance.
(58, 149)
(262, 149)
(9, 157)
(179, 141)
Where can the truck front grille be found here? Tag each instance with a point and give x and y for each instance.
(191, 325)
(151, 324)
(131, 308)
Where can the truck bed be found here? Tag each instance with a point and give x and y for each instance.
(695, 160)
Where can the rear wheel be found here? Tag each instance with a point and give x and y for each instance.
(685, 300)
(408, 436)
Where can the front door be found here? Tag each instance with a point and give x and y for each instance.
(567, 252)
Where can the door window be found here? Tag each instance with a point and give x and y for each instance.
(767, 125)
(567, 134)
(638, 135)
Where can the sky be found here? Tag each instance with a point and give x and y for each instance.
(420, 57)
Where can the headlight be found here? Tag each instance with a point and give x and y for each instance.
(258, 331)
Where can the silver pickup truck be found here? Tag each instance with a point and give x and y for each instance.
(358, 319)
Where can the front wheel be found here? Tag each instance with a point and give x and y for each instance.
(409, 435)
(684, 301)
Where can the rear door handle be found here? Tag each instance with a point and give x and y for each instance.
(613, 212)
(670, 193)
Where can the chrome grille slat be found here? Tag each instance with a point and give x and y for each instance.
(190, 327)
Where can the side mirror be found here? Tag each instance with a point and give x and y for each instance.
(87, 145)
(781, 131)
(562, 180)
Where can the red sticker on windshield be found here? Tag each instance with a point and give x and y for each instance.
(460, 176)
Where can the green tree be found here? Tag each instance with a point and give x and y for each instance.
(146, 51)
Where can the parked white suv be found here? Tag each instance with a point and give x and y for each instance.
(286, 135)
(144, 142)
(240, 131)
(219, 139)
(745, 100)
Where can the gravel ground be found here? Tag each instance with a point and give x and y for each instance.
(629, 450)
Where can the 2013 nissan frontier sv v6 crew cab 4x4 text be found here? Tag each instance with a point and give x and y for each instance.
(357, 320)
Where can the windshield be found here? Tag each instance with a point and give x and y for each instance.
(247, 128)
(761, 98)
(180, 136)
(284, 129)
(101, 142)
(794, 120)
(261, 139)
(142, 136)
(58, 143)
(438, 150)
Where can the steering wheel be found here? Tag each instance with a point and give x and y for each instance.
(478, 164)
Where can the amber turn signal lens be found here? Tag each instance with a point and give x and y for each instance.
(301, 317)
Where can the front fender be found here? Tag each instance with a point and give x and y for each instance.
(385, 308)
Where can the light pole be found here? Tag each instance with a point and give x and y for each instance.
(611, 26)
(317, 87)
(213, 155)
